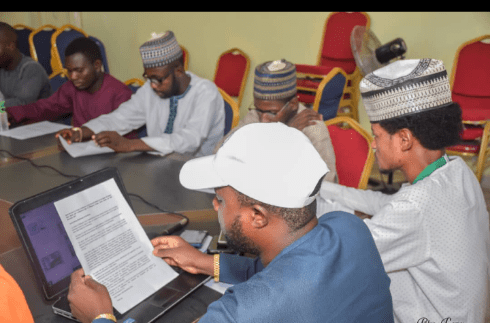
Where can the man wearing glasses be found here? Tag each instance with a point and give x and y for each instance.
(183, 113)
(275, 100)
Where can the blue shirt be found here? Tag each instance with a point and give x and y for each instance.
(332, 274)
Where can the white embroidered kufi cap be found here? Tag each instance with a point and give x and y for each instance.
(405, 87)
(269, 162)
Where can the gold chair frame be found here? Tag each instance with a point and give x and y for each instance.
(245, 74)
(234, 107)
(56, 63)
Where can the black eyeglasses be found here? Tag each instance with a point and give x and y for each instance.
(269, 113)
(157, 80)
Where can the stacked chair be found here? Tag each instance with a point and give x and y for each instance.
(335, 51)
(470, 87)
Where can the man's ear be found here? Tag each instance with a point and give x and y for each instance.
(258, 216)
(98, 64)
(406, 139)
(12, 45)
(179, 70)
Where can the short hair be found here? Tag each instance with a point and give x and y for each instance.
(178, 62)
(85, 46)
(296, 218)
(435, 129)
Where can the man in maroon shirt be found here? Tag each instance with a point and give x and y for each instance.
(88, 94)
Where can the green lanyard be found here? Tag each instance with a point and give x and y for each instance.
(431, 168)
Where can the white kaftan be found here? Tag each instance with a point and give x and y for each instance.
(434, 241)
(198, 126)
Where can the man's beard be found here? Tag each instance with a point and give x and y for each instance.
(237, 241)
(173, 90)
(5, 62)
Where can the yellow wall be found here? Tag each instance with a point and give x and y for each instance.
(262, 35)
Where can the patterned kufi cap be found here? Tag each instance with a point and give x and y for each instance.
(160, 50)
(275, 80)
(405, 87)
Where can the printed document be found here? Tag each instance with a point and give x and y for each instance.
(85, 148)
(34, 130)
(112, 246)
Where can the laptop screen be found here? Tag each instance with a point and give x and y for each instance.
(43, 236)
(50, 243)
(53, 258)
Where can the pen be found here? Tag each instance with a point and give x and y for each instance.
(176, 227)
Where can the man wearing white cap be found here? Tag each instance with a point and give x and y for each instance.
(266, 177)
(183, 112)
(433, 234)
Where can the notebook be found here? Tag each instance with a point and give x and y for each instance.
(38, 223)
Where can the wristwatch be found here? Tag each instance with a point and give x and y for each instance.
(79, 130)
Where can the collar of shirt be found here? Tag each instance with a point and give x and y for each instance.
(431, 168)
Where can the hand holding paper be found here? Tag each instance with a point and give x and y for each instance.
(86, 148)
(88, 298)
(112, 246)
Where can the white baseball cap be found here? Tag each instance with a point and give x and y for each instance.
(269, 162)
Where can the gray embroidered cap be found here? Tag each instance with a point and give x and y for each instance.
(405, 87)
(160, 50)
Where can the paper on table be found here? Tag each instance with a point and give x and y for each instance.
(87, 148)
(217, 286)
(112, 246)
(34, 130)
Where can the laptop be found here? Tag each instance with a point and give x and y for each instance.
(37, 223)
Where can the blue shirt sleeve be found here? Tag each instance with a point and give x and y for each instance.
(235, 269)
(102, 320)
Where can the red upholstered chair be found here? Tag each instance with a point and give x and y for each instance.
(335, 51)
(231, 73)
(186, 57)
(354, 157)
(470, 86)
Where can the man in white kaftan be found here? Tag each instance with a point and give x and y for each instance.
(197, 128)
(183, 112)
(433, 234)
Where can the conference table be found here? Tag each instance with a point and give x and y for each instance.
(151, 177)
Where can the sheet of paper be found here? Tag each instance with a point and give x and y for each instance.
(217, 286)
(85, 148)
(34, 130)
(112, 246)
